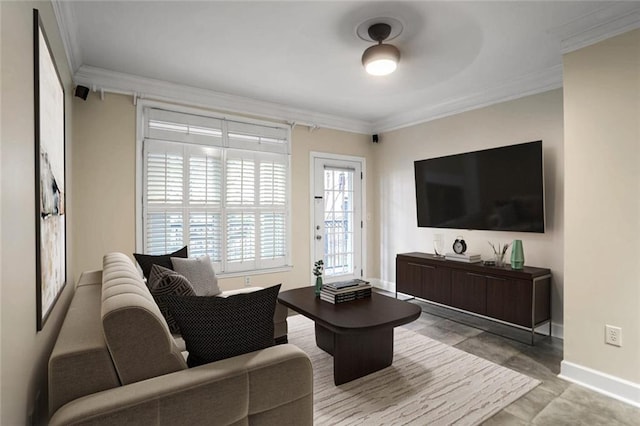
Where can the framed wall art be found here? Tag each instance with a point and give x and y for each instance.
(51, 252)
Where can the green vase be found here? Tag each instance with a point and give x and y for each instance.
(318, 285)
(517, 255)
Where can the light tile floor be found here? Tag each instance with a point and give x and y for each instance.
(554, 401)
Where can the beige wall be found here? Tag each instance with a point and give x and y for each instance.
(25, 352)
(602, 232)
(523, 120)
(104, 174)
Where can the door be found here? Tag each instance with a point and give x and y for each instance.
(469, 291)
(337, 216)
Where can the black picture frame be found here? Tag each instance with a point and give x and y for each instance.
(50, 175)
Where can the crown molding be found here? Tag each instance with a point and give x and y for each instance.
(148, 88)
(530, 84)
(68, 32)
(606, 22)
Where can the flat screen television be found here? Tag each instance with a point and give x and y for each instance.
(499, 189)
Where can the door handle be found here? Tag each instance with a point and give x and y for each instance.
(318, 237)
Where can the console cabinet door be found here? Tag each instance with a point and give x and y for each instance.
(469, 291)
(436, 284)
(509, 300)
(409, 278)
(424, 281)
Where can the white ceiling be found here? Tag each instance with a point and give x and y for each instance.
(301, 60)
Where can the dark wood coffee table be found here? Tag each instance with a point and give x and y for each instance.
(359, 334)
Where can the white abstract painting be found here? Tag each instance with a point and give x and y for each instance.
(50, 179)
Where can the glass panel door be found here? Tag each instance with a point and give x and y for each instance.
(337, 218)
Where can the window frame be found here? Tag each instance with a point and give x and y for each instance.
(263, 266)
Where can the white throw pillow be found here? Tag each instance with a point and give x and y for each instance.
(199, 271)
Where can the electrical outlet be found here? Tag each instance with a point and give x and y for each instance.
(247, 281)
(612, 335)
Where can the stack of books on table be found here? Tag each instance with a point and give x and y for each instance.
(464, 257)
(345, 291)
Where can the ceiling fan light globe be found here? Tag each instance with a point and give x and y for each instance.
(381, 67)
(381, 59)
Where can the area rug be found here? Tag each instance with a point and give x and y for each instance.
(429, 383)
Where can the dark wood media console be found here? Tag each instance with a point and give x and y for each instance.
(516, 297)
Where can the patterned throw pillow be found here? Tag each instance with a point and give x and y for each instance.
(164, 282)
(199, 271)
(216, 328)
(146, 260)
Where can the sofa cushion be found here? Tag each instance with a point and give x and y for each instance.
(147, 260)
(199, 271)
(165, 282)
(215, 328)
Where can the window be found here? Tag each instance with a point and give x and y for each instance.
(219, 186)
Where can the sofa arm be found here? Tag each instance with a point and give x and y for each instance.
(270, 386)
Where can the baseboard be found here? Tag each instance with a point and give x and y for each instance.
(383, 285)
(557, 330)
(606, 384)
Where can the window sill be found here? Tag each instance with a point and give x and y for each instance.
(236, 274)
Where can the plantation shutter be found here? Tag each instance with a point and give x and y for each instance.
(164, 190)
(241, 210)
(205, 203)
(218, 186)
(272, 201)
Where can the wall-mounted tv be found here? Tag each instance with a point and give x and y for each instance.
(499, 189)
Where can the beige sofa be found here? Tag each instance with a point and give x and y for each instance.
(115, 362)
